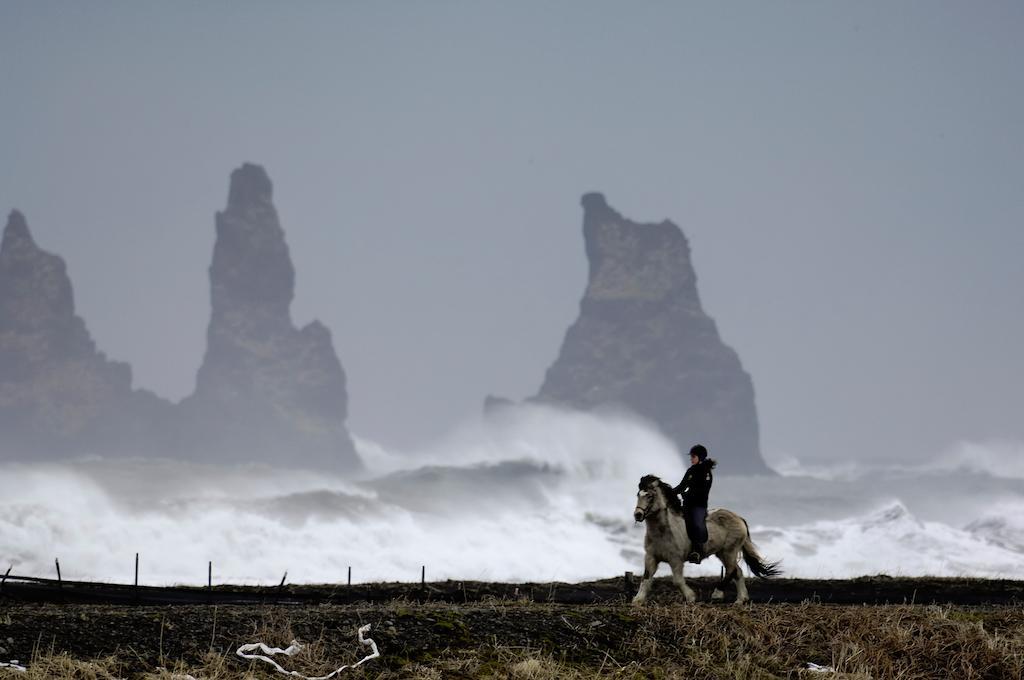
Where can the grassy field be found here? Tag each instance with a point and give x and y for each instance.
(516, 638)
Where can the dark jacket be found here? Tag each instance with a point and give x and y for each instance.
(696, 484)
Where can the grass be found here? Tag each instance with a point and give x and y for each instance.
(526, 641)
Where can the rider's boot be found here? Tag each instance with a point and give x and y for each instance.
(697, 555)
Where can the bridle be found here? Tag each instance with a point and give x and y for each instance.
(644, 512)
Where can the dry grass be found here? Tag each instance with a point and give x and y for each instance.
(516, 641)
(880, 642)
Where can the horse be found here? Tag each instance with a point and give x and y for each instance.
(666, 541)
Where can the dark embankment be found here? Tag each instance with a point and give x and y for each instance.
(864, 590)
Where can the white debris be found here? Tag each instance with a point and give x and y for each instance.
(815, 668)
(295, 648)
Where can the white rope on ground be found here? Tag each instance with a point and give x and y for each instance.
(13, 665)
(295, 648)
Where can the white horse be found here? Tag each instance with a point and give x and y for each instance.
(666, 541)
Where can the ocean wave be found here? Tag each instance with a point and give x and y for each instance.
(999, 459)
(535, 494)
(889, 540)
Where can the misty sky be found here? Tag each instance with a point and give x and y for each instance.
(850, 176)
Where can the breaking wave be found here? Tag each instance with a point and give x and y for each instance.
(1001, 459)
(526, 494)
(891, 540)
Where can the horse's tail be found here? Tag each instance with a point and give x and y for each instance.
(754, 560)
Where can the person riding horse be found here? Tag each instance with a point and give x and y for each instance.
(694, 489)
(665, 540)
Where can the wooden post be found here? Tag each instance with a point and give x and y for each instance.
(628, 583)
(350, 575)
(60, 583)
(209, 578)
(4, 579)
(135, 590)
(281, 585)
(423, 576)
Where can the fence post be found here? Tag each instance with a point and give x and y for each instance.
(628, 583)
(4, 579)
(209, 580)
(136, 588)
(350, 575)
(60, 583)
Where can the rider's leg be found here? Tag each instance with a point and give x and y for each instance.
(698, 519)
(691, 529)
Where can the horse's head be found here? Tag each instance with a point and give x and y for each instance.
(650, 498)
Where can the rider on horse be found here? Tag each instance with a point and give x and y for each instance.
(694, 489)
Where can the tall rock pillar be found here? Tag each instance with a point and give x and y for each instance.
(266, 391)
(642, 341)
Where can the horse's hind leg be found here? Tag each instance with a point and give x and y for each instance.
(728, 561)
(741, 584)
(717, 593)
(731, 562)
(650, 566)
(677, 577)
(734, 572)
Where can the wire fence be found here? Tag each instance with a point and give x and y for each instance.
(59, 589)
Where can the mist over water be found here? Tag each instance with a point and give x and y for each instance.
(531, 493)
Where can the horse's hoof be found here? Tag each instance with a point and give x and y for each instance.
(717, 594)
(638, 602)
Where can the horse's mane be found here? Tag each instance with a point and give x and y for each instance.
(671, 499)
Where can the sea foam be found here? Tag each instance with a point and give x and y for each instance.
(529, 494)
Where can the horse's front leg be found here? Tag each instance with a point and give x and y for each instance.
(677, 576)
(650, 566)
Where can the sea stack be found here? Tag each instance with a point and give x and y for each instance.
(59, 395)
(266, 391)
(643, 342)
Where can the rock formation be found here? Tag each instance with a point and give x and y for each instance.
(643, 342)
(266, 391)
(59, 396)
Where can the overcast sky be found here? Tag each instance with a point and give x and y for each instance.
(850, 176)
